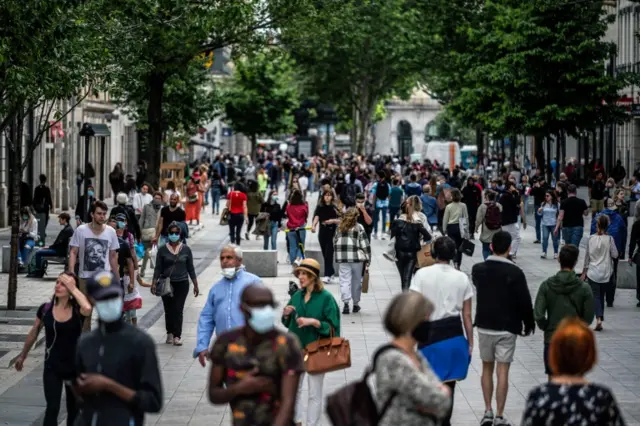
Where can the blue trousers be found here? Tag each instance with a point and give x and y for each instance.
(573, 235)
(486, 250)
(376, 216)
(538, 225)
(41, 254)
(215, 200)
(546, 231)
(273, 236)
(294, 249)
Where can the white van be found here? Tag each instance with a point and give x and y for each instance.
(446, 153)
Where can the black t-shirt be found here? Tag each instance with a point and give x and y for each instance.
(597, 190)
(124, 253)
(325, 212)
(573, 208)
(510, 207)
(368, 228)
(168, 216)
(60, 342)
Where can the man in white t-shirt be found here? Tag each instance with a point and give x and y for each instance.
(96, 246)
(503, 312)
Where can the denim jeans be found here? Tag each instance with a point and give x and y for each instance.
(294, 249)
(486, 250)
(546, 231)
(215, 200)
(393, 214)
(598, 290)
(24, 249)
(43, 253)
(538, 225)
(573, 235)
(376, 215)
(273, 236)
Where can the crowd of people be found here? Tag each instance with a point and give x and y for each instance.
(429, 214)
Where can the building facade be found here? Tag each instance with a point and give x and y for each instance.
(406, 125)
(61, 154)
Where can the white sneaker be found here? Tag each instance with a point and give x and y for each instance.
(375, 235)
(384, 236)
(326, 279)
(334, 280)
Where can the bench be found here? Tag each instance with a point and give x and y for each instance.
(263, 263)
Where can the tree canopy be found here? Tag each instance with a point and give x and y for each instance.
(262, 95)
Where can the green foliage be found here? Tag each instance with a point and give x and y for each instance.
(262, 95)
(529, 67)
(356, 53)
(449, 128)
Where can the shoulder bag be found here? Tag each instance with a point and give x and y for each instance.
(162, 286)
(327, 354)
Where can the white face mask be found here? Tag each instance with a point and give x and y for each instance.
(262, 319)
(229, 273)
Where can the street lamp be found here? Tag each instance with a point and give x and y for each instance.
(88, 132)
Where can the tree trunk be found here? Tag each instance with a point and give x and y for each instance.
(539, 143)
(353, 136)
(14, 208)
(480, 144)
(512, 152)
(548, 163)
(362, 133)
(254, 146)
(154, 117)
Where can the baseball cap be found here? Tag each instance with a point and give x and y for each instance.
(104, 285)
(121, 217)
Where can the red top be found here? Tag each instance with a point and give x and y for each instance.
(297, 215)
(236, 201)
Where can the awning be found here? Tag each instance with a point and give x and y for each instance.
(100, 129)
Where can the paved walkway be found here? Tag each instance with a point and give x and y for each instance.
(185, 381)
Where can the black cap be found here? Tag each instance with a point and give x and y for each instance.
(121, 217)
(104, 285)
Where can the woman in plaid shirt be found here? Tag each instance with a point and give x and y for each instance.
(352, 250)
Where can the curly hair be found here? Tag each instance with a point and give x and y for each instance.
(349, 220)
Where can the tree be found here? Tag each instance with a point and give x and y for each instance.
(357, 53)
(48, 55)
(159, 39)
(262, 96)
(534, 67)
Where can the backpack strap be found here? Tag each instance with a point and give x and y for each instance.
(393, 395)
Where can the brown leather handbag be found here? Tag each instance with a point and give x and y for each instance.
(327, 355)
(424, 257)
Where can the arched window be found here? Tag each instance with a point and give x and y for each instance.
(405, 139)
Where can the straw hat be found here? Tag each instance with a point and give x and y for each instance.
(310, 266)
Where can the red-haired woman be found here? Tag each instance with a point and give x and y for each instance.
(568, 398)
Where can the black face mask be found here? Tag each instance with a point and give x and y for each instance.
(422, 331)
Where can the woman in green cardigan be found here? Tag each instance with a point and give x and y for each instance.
(311, 314)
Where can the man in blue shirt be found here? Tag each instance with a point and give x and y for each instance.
(222, 311)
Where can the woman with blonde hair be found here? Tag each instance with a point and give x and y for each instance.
(311, 314)
(403, 377)
(352, 250)
(407, 230)
(455, 223)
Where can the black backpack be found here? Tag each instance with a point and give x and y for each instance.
(353, 404)
(493, 217)
(382, 190)
(348, 196)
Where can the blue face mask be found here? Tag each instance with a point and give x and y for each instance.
(109, 310)
(90, 193)
(174, 238)
(262, 319)
(121, 224)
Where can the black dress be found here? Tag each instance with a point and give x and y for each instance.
(588, 404)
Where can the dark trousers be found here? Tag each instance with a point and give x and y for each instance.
(446, 421)
(472, 218)
(250, 221)
(406, 263)
(53, 383)
(174, 307)
(610, 293)
(453, 232)
(325, 238)
(394, 212)
(236, 220)
(440, 218)
(635, 259)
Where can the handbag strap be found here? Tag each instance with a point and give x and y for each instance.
(175, 262)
